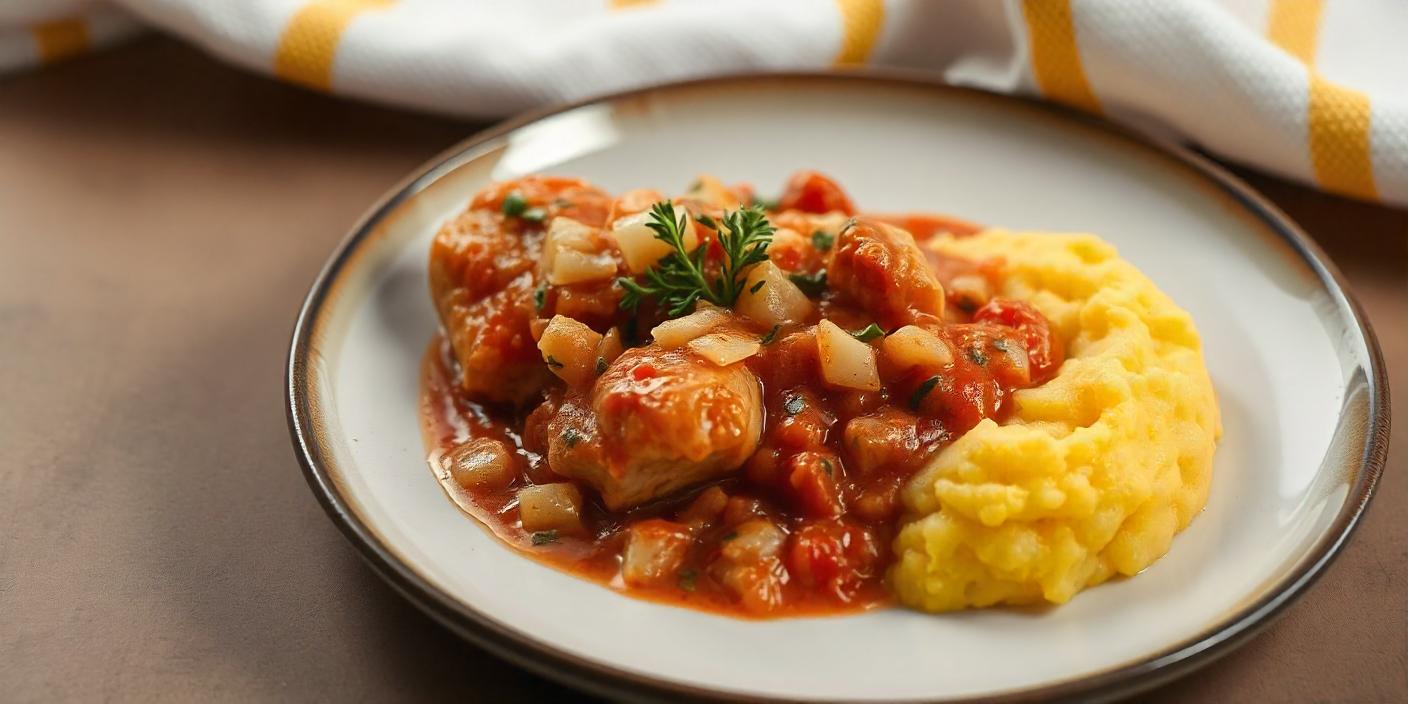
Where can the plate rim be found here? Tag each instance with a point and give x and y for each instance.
(544, 659)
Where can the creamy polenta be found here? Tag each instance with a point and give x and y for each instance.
(1095, 471)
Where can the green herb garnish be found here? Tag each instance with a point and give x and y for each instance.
(977, 356)
(811, 284)
(688, 578)
(600, 365)
(543, 537)
(764, 203)
(768, 337)
(828, 467)
(540, 296)
(729, 536)
(758, 286)
(552, 362)
(918, 396)
(794, 404)
(868, 333)
(823, 240)
(677, 281)
(514, 205)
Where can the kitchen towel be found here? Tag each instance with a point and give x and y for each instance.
(1314, 90)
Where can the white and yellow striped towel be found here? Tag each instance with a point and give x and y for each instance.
(1316, 90)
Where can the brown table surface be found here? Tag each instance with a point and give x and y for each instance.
(161, 217)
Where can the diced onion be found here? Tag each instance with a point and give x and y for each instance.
(912, 346)
(572, 267)
(610, 348)
(724, 349)
(655, 549)
(674, 333)
(551, 507)
(638, 244)
(845, 361)
(566, 234)
(569, 349)
(769, 298)
(480, 462)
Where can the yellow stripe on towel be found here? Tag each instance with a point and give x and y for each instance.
(1337, 118)
(1051, 34)
(309, 43)
(1294, 25)
(61, 39)
(861, 21)
(1339, 139)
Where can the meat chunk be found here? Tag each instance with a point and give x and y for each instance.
(882, 269)
(483, 279)
(655, 422)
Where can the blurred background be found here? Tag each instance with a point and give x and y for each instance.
(174, 173)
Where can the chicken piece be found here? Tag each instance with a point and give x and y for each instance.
(882, 268)
(483, 280)
(655, 422)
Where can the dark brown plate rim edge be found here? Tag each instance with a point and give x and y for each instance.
(543, 659)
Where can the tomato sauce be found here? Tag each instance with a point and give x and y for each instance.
(804, 526)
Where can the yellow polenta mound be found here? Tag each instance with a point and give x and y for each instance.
(1094, 471)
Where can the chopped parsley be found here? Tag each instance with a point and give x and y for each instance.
(758, 286)
(600, 365)
(811, 284)
(729, 536)
(823, 240)
(571, 437)
(828, 467)
(688, 577)
(868, 333)
(769, 335)
(794, 404)
(543, 537)
(514, 205)
(764, 203)
(552, 362)
(540, 296)
(977, 356)
(917, 397)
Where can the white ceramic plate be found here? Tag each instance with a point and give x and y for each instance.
(1297, 372)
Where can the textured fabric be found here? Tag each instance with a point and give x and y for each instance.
(1316, 90)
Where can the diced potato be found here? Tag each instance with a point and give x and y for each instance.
(569, 348)
(845, 361)
(638, 244)
(723, 348)
(551, 507)
(655, 550)
(674, 333)
(566, 234)
(754, 541)
(610, 348)
(912, 346)
(481, 462)
(573, 267)
(777, 302)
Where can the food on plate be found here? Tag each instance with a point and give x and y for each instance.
(798, 407)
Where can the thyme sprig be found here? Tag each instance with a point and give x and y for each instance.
(678, 280)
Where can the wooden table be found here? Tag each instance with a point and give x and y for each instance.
(161, 217)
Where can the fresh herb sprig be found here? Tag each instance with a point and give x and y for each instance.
(678, 280)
